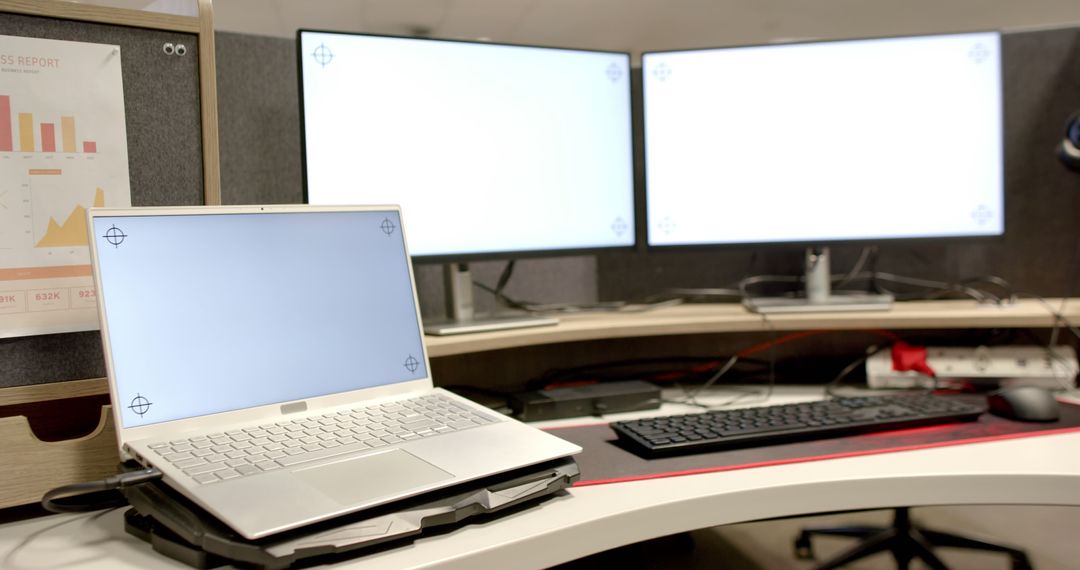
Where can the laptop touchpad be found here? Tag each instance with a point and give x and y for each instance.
(370, 477)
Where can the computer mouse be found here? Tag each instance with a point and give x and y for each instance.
(1024, 403)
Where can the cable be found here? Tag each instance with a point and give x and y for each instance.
(1059, 321)
(1010, 294)
(704, 292)
(540, 308)
(770, 345)
(98, 491)
(832, 385)
(936, 289)
(746, 283)
(1059, 317)
(504, 278)
(939, 286)
(864, 256)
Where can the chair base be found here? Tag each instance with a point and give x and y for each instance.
(904, 540)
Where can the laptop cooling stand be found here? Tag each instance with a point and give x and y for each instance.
(181, 530)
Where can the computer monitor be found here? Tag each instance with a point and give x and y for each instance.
(820, 143)
(492, 150)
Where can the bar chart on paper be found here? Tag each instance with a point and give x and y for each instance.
(63, 149)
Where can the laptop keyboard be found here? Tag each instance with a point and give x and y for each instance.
(238, 453)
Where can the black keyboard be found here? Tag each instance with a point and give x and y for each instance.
(749, 427)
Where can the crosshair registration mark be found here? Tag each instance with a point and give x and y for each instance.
(387, 226)
(322, 55)
(140, 405)
(115, 236)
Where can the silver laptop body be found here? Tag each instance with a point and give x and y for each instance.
(244, 344)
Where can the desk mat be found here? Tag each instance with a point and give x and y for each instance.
(604, 461)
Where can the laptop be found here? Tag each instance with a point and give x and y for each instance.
(269, 360)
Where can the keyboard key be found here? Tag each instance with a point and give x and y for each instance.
(247, 469)
(419, 424)
(205, 478)
(189, 462)
(205, 468)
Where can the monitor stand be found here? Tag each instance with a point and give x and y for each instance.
(460, 312)
(818, 295)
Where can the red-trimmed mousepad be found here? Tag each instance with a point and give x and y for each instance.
(604, 461)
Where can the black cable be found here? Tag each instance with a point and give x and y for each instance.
(930, 289)
(96, 495)
(504, 278)
(599, 306)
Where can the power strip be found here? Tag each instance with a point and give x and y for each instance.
(987, 365)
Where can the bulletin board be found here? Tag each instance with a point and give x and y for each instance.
(170, 113)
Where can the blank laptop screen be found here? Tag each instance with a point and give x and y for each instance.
(207, 313)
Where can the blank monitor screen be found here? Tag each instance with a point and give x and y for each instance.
(823, 142)
(488, 148)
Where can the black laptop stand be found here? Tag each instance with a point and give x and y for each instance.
(179, 529)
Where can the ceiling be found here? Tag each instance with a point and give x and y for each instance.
(639, 25)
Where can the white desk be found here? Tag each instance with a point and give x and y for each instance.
(1039, 470)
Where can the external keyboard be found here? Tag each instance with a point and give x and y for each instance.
(236, 453)
(748, 427)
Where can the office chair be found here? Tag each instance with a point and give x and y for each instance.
(905, 540)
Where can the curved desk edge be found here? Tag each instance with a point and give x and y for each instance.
(1042, 470)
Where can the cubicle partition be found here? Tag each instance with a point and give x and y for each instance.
(172, 108)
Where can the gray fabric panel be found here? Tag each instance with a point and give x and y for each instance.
(258, 120)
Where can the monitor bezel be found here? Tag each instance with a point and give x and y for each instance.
(648, 246)
(501, 254)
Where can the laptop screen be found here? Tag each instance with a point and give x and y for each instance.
(208, 313)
